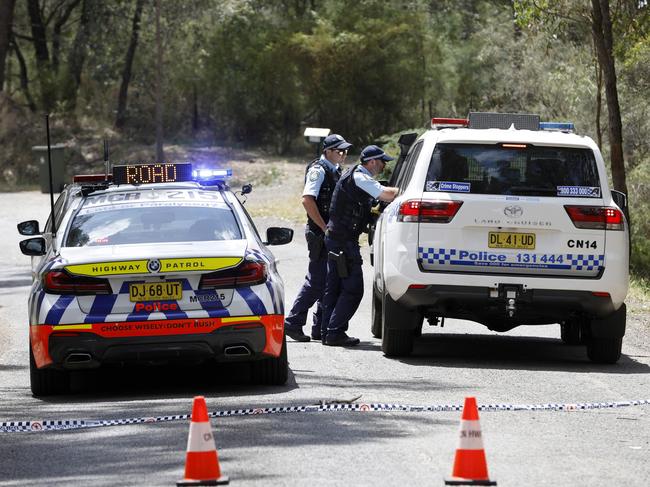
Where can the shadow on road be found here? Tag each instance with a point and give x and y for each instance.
(155, 382)
(511, 352)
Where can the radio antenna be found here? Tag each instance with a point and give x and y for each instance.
(49, 167)
(106, 163)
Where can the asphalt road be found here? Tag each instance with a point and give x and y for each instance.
(527, 366)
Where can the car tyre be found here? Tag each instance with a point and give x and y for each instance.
(272, 371)
(397, 342)
(47, 382)
(376, 315)
(604, 350)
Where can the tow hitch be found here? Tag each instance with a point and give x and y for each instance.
(510, 293)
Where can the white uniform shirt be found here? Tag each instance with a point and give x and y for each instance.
(316, 176)
(364, 180)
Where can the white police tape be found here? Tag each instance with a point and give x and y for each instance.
(58, 425)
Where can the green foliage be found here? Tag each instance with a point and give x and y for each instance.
(256, 72)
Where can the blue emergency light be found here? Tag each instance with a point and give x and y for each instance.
(211, 174)
(561, 126)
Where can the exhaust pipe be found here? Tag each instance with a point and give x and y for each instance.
(237, 351)
(78, 358)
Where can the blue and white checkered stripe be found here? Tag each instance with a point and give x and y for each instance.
(433, 257)
(436, 256)
(586, 262)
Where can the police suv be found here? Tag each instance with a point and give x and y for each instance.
(503, 220)
(154, 263)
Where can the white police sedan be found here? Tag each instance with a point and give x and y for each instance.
(151, 265)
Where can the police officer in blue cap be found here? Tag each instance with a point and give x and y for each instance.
(320, 179)
(349, 216)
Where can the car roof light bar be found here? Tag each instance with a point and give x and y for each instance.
(505, 121)
(445, 123)
(91, 178)
(559, 126)
(211, 174)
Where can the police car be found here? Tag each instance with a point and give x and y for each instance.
(503, 220)
(153, 263)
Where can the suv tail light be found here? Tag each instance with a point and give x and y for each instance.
(247, 274)
(596, 217)
(428, 211)
(59, 282)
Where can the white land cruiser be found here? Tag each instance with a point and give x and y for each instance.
(505, 221)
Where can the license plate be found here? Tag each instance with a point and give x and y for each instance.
(507, 240)
(155, 291)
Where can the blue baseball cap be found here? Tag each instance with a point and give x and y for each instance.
(335, 141)
(373, 152)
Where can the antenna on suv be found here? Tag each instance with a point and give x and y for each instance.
(49, 170)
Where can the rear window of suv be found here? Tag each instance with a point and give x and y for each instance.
(513, 169)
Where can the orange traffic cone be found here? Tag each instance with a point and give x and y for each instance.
(202, 462)
(470, 467)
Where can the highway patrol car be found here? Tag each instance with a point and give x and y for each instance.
(152, 265)
(505, 221)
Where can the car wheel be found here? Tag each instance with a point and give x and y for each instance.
(47, 382)
(376, 315)
(573, 332)
(272, 371)
(604, 350)
(398, 328)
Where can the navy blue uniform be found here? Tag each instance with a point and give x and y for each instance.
(320, 180)
(349, 216)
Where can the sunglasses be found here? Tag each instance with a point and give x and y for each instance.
(341, 152)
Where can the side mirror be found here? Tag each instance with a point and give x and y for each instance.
(30, 227)
(620, 199)
(33, 246)
(278, 236)
(246, 188)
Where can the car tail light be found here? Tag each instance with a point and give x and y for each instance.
(247, 274)
(596, 217)
(59, 282)
(427, 211)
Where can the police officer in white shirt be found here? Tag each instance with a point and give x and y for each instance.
(321, 177)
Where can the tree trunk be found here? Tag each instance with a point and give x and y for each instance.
(6, 22)
(24, 78)
(602, 32)
(196, 123)
(77, 57)
(39, 41)
(120, 118)
(599, 103)
(56, 33)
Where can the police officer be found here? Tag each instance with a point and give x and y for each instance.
(349, 216)
(320, 179)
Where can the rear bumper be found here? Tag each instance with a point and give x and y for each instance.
(81, 346)
(532, 307)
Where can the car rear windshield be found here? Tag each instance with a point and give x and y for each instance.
(152, 224)
(513, 169)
